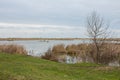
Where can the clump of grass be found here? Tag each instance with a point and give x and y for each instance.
(57, 53)
(59, 49)
(50, 56)
(13, 49)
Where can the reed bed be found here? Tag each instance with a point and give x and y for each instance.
(109, 52)
(13, 49)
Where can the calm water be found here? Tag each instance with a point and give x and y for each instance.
(39, 47)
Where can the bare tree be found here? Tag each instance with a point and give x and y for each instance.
(97, 32)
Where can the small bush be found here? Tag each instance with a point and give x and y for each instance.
(13, 49)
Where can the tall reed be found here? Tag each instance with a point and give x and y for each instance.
(13, 49)
(109, 52)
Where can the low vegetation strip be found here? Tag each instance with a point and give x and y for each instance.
(15, 39)
(22, 67)
(12, 39)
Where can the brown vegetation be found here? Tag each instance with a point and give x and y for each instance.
(12, 39)
(50, 56)
(13, 49)
(56, 53)
(109, 52)
(59, 49)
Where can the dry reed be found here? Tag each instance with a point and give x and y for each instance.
(13, 49)
(109, 52)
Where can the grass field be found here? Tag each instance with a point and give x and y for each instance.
(21, 67)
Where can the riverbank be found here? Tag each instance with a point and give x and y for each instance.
(22, 67)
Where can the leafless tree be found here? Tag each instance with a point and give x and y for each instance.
(97, 32)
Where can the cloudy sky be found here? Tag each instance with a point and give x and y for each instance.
(54, 18)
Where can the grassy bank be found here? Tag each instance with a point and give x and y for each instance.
(21, 67)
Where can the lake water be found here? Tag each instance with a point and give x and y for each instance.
(39, 47)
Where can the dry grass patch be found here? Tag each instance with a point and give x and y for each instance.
(13, 49)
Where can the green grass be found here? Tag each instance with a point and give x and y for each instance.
(19, 67)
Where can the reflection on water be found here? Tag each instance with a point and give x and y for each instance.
(39, 47)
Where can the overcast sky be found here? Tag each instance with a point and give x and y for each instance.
(54, 18)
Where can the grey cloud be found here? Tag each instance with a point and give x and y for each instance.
(14, 30)
(56, 12)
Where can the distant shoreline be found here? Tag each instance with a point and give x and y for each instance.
(16, 39)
